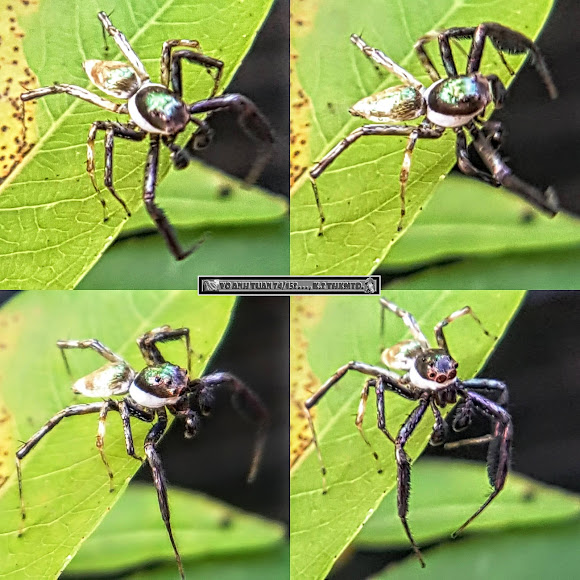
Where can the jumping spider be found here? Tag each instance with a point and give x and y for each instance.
(158, 110)
(148, 394)
(455, 102)
(431, 379)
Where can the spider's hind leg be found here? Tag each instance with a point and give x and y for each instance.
(404, 471)
(112, 130)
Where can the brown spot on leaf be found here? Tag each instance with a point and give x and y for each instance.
(304, 312)
(14, 76)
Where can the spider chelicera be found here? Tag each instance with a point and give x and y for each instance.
(160, 387)
(158, 110)
(455, 102)
(431, 379)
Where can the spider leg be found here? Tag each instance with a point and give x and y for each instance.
(250, 119)
(100, 442)
(124, 46)
(172, 62)
(112, 130)
(491, 386)
(157, 214)
(454, 316)
(325, 387)
(200, 139)
(370, 383)
(421, 132)
(464, 162)
(78, 92)
(506, 40)
(464, 413)
(383, 60)
(424, 58)
(404, 470)
(499, 451)
(439, 428)
(113, 378)
(71, 411)
(93, 344)
(148, 344)
(158, 473)
(546, 201)
(244, 401)
(386, 385)
(125, 410)
(408, 320)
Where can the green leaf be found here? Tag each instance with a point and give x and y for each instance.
(133, 534)
(488, 221)
(549, 552)
(52, 224)
(193, 197)
(360, 191)
(446, 493)
(264, 566)
(322, 526)
(555, 270)
(146, 263)
(65, 485)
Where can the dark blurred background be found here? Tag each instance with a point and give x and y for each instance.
(538, 360)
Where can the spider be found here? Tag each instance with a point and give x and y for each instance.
(158, 110)
(148, 394)
(455, 102)
(431, 379)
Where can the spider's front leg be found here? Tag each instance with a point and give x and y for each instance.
(158, 474)
(251, 120)
(148, 344)
(504, 39)
(499, 452)
(404, 470)
(244, 401)
(112, 130)
(171, 62)
(157, 214)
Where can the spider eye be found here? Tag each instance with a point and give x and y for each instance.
(156, 379)
(432, 374)
(455, 365)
